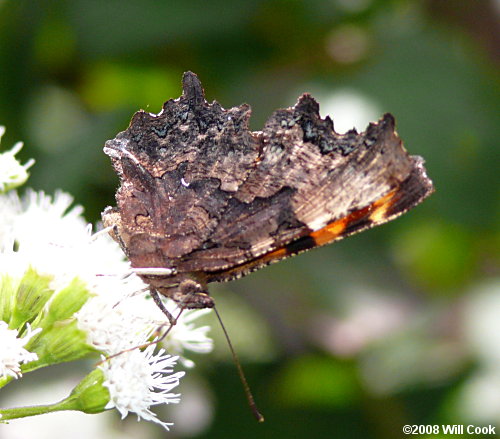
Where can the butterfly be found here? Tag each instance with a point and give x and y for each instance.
(203, 199)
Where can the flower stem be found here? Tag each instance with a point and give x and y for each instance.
(70, 403)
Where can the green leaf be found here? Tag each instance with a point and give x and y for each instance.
(319, 381)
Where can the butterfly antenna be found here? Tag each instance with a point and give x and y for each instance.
(246, 387)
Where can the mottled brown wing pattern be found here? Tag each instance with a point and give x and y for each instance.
(202, 194)
(178, 171)
(302, 184)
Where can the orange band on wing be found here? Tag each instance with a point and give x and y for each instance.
(374, 213)
(358, 220)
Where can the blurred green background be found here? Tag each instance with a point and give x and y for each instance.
(398, 325)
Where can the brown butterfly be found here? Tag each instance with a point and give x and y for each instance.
(203, 199)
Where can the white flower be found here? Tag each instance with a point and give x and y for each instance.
(12, 352)
(12, 173)
(55, 239)
(137, 380)
(112, 324)
(185, 336)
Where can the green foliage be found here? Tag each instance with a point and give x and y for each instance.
(314, 381)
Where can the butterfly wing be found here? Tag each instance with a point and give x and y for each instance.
(201, 193)
(311, 186)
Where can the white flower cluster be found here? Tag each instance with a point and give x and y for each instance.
(46, 235)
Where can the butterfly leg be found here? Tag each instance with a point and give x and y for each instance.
(159, 303)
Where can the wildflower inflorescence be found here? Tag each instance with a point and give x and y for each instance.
(66, 293)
